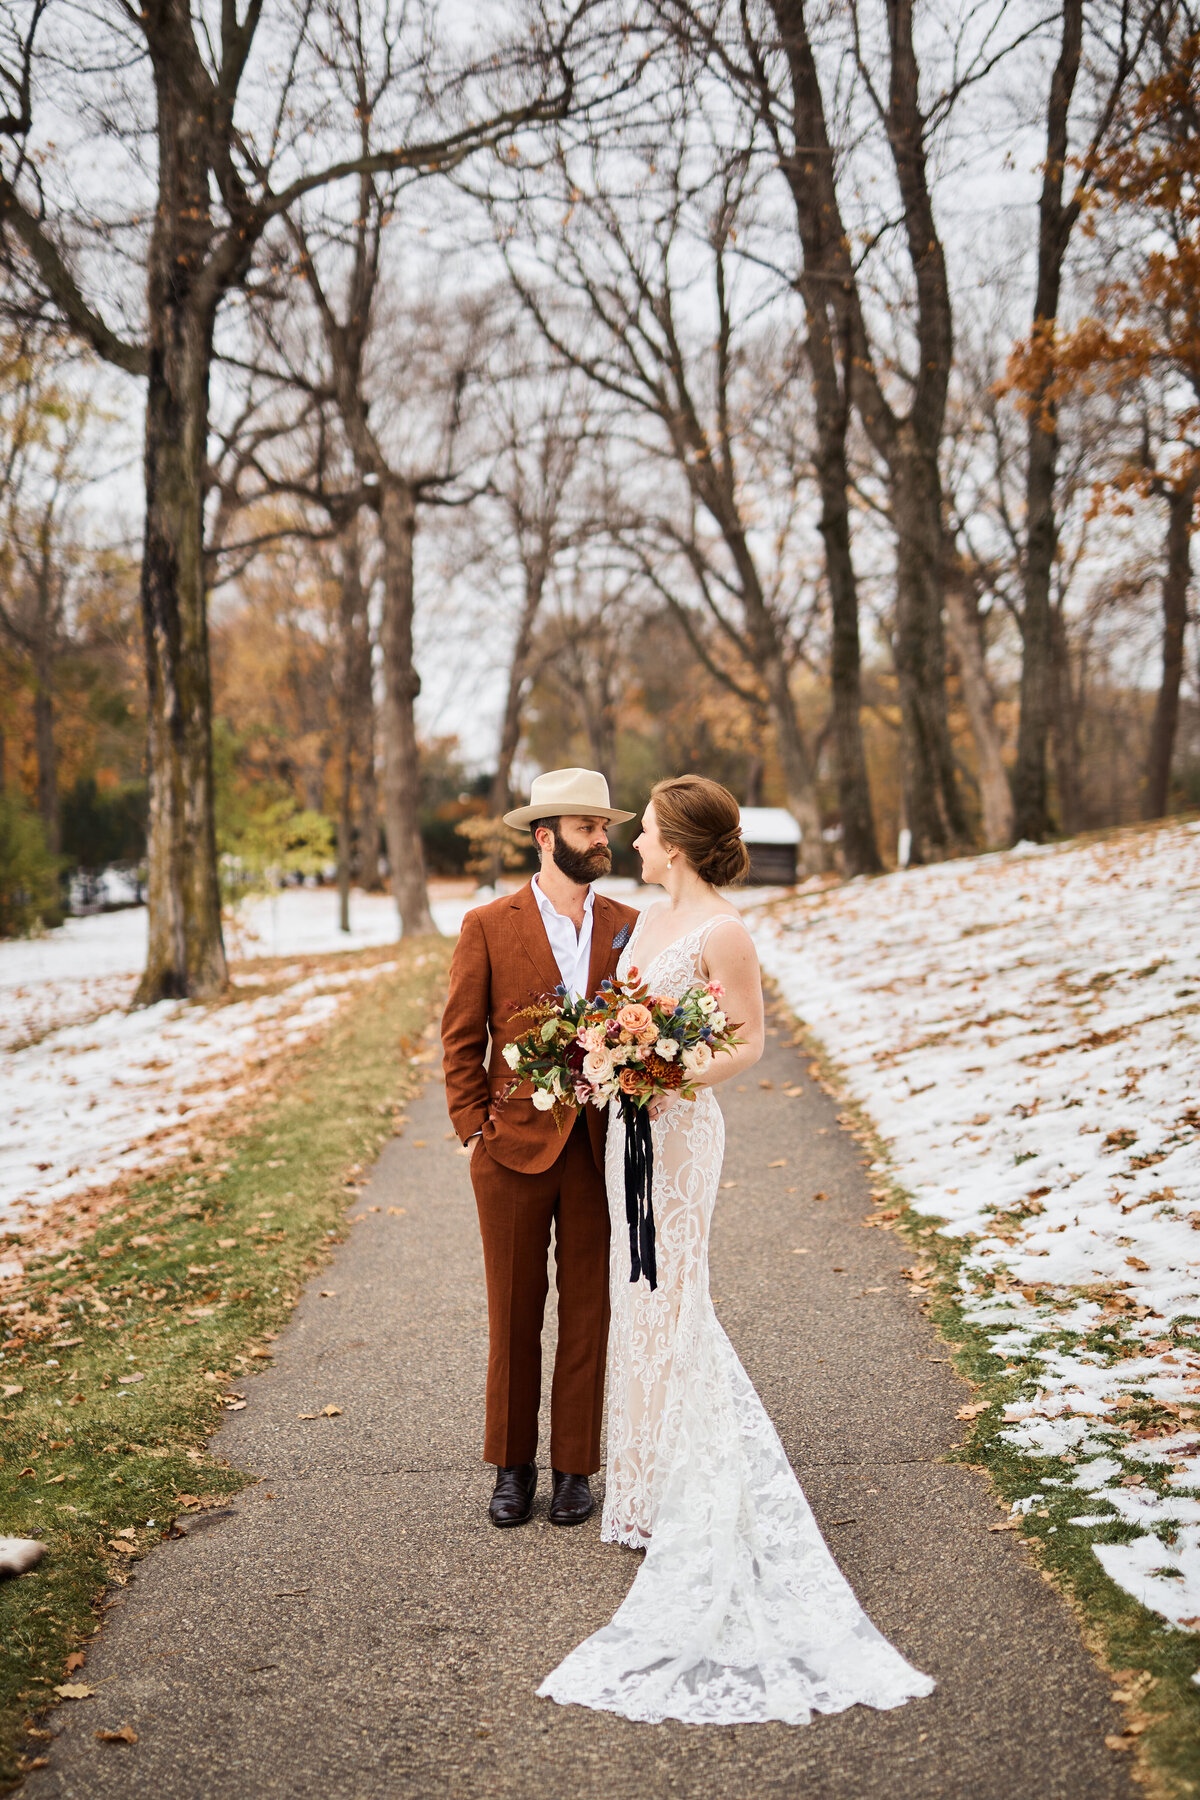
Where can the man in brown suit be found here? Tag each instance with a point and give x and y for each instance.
(525, 1171)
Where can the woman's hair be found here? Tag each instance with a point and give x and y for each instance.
(701, 819)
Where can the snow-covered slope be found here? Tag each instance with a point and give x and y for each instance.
(1024, 1030)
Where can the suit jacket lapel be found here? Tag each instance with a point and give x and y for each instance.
(532, 933)
(604, 926)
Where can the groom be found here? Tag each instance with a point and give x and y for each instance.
(525, 1171)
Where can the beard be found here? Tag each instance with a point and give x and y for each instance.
(583, 866)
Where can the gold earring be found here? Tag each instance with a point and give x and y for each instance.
(670, 860)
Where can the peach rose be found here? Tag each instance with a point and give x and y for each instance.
(634, 1019)
(649, 1034)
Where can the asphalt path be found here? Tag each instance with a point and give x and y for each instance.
(352, 1628)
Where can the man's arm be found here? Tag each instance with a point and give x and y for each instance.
(465, 1031)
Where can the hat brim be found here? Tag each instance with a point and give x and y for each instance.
(529, 815)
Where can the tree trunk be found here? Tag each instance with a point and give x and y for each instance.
(369, 875)
(350, 610)
(994, 792)
(933, 805)
(799, 776)
(860, 850)
(518, 674)
(1066, 709)
(1031, 815)
(1177, 578)
(44, 747)
(185, 955)
(401, 685)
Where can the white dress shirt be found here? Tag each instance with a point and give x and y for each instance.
(572, 950)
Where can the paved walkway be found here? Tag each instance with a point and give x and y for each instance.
(353, 1629)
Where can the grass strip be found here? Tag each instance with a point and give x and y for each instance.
(1152, 1663)
(133, 1344)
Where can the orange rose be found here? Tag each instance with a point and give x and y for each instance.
(667, 1002)
(634, 1019)
(631, 1080)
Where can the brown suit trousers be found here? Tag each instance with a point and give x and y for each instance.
(528, 1175)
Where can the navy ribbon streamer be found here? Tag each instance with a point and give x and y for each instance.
(639, 1181)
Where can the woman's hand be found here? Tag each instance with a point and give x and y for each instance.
(657, 1106)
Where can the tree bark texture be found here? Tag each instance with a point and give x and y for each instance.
(1031, 814)
(932, 803)
(909, 446)
(350, 612)
(500, 799)
(995, 794)
(186, 954)
(824, 293)
(401, 685)
(1177, 576)
(45, 750)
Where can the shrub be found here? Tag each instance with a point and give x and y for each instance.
(29, 873)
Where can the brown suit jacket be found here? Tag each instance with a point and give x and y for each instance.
(502, 961)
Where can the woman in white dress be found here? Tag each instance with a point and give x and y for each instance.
(739, 1612)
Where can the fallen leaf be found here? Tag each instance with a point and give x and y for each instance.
(124, 1734)
(821, 1195)
(1135, 1262)
(729, 1184)
(308, 1415)
(11, 1392)
(1005, 1525)
(64, 1343)
(226, 1243)
(265, 1353)
(124, 1380)
(234, 1405)
(1118, 1743)
(398, 1212)
(780, 1164)
(54, 1480)
(330, 1412)
(973, 1411)
(75, 1661)
(125, 1549)
(73, 1690)
(418, 1143)
(328, 1293)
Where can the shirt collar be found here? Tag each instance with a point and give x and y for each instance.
(545, 904)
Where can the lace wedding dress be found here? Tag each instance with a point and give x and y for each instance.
(739, 1612)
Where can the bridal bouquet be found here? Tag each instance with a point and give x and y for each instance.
(626, 1043)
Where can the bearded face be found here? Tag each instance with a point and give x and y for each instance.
(581, 865)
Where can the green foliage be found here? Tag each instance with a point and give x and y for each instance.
(29, 874)
(263, 834)
(100, 827)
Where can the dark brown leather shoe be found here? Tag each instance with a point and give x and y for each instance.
(512, 1497)
(571, 1502)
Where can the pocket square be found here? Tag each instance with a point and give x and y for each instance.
(621, 939)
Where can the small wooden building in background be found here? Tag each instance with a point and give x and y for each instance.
(772, 837)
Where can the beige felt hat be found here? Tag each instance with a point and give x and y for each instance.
(558, 791)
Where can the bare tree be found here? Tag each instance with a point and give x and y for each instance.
(614, 309)
(235, 127)
(1058, 215)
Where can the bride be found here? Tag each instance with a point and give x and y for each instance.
(739, 1612)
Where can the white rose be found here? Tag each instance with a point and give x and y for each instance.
(697, 1059)
(706, 1004)
(718, 1021)
(598, 1066)
(543, 1099)
(667, 1048)
(511, 1054)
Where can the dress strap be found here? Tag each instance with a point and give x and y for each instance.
(710, 925)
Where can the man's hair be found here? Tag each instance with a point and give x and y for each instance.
(537, 825)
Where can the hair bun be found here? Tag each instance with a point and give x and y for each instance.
(702, 819)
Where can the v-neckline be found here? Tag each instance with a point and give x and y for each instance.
(681, 939)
